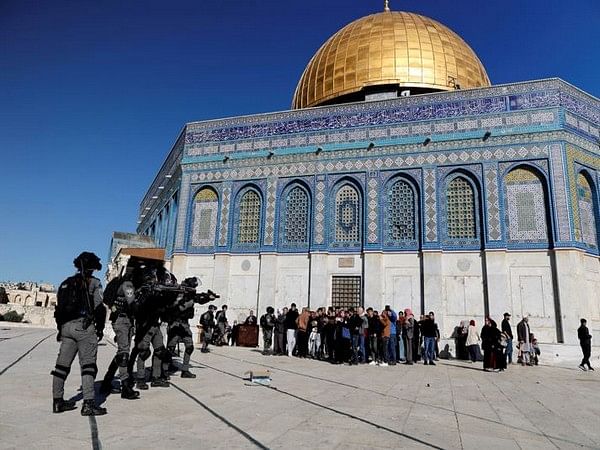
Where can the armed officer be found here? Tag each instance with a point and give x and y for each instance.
(80, 317)
(179, 326)
(121, 316)
(151, 305)
(207, 320)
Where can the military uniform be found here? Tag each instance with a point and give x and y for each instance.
(75, 314)
(207, 320)
(267, 322)
(121, 317)
(148, 333)
(179, 331)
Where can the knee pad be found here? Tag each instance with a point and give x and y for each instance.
(189, 349)
(122, 359)
(60, 371)
(89, 369)
(144, 354)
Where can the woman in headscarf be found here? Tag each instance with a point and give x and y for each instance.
(472, 341)
(492, 350)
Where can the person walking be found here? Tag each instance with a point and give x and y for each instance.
(472, 343)
(585, 340)
(507, 331)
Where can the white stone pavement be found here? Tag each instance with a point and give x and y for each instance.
(310, 404)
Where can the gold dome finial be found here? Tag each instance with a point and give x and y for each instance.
(386, 5)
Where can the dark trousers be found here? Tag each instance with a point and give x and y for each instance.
(386, 348)
(373, 350)
(409, 349)
(331, 345)
(267, 339)
(473, 352)
(279, 340)
(302, 343)
(587, 352)
(392, 344)
(355, 348)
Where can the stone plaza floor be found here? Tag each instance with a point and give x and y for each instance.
(309, 404)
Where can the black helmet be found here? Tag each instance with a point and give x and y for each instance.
(87, 261)
(190, 282)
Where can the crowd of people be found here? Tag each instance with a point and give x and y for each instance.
(359, 336)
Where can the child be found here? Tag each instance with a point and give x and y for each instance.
(535, 350)
(314, 340)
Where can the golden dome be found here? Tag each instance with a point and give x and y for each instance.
(389, 48)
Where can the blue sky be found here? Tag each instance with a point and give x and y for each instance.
(93, 94)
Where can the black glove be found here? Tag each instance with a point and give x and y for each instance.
(100, 335)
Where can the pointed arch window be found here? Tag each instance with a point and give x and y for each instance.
(587, 216)
(526, 206)
(347, 215)
(249, 218)
(460, 199)
(401, 223)
(206, 206)
(296, 218)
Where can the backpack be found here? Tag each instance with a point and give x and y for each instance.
(70, 300)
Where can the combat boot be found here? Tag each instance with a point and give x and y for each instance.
(89, 408)
(159, 382)
(187, 374)
(128, 393)
(60, 405)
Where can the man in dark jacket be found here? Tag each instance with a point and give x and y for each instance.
(291, 328)
(355, 324)
(373, 331)
(507, 330)
(585, 340)
(279, 346)
(429, 332)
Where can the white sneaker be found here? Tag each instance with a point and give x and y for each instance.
(582, 367)
(372, 363)
(383, 364)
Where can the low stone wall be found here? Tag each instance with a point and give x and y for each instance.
(36, 315)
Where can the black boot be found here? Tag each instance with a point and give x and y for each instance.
(159, 382)
(187, 374)
(60, 405)
(141, 384)
(89, 408)
(128, 393)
